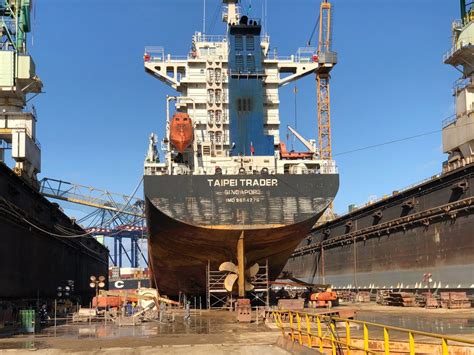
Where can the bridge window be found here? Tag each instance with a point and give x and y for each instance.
(250, 43)
(250, 63)
(239, 62)
(244, 105)
(239, 43)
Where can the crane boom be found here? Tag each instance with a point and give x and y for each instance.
(310, 144)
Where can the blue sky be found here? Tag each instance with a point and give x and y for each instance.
(100, 106)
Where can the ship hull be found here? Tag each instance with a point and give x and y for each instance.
(33, 263)
(193, 223)
(425, 229)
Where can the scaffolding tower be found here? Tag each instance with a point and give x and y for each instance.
(219, 298)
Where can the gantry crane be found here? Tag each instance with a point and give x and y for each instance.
(116, 216)
(327, 59)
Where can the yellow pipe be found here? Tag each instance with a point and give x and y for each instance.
(411, 333)
(308, 330)
(298, 320)
(444, 346)
(348, 337)
(320, 334)
(411, 342)
(241, 264)
(366, 338)
(386, 343)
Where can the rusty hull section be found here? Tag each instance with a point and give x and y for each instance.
(196, 220)
(179, 253)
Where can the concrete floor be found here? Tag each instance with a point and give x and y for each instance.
(217, 332)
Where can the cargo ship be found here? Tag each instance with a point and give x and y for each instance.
(420, 236)
(228, 195)
(41, 249)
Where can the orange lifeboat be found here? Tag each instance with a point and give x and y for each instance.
(181, 131)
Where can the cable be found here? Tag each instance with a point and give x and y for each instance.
(388, 142)
(399, 140)
(313, 31)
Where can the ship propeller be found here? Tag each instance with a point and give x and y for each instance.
(233, 275)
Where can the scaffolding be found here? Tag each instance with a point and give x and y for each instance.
(219, 298)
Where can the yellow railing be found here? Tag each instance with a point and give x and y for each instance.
(307, 329)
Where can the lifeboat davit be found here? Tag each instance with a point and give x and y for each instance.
(181, 131)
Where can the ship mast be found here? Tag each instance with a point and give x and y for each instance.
(17, 80)
(232, 14)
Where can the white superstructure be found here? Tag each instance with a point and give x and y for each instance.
(201, 79)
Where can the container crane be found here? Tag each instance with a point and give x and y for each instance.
(115, 216)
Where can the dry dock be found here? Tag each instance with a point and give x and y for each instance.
(217, 332)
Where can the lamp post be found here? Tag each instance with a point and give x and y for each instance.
(97, 282)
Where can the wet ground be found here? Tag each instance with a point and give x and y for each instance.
(455, 322)
(206, 332)
(217, 332)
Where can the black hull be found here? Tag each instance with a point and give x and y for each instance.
(33, 263)
(426, 229)
(184, 238)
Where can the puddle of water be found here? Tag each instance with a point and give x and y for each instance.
(431, 324)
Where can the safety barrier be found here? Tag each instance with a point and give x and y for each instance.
(307, 329)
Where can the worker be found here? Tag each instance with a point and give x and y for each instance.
(129, 309)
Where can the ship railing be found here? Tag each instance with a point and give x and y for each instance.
(154, 54)
(448, 121)
(303, 55)
(461, 84)
(266, 169)
(466, 42)
(248, 73)
(157, 54)
(334, 333)
(199, 37)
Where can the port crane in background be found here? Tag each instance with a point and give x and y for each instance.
(116, 216)
(18, 81)
(327, 60)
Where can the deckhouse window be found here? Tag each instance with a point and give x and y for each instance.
(244, 105)
(239, 43)
(250, 43)
(239, 62)
(250, 63)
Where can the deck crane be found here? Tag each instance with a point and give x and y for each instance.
(309, 144)
(327, 59)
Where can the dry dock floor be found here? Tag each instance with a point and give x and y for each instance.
(216, 332)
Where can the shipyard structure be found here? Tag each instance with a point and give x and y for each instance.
(227, 195)
(418, 237)
(41, 249)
